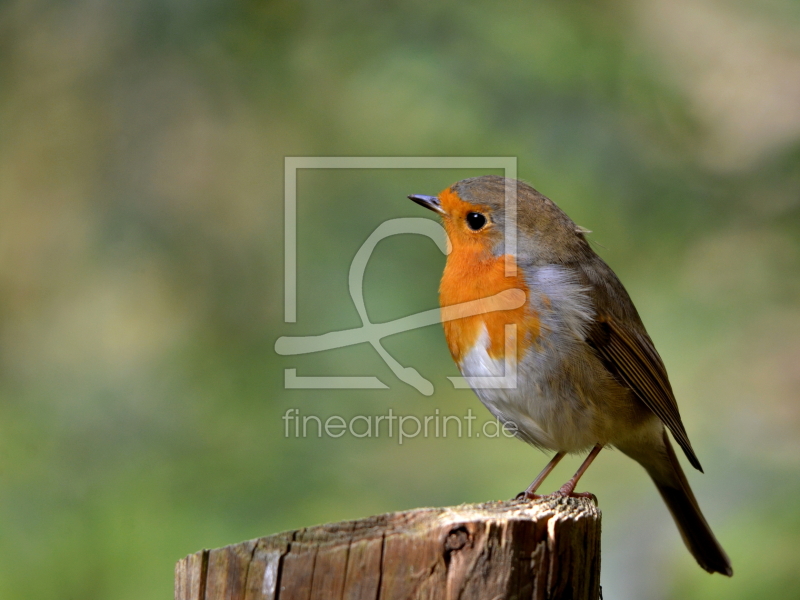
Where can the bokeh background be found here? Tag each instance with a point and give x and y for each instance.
(141, 266)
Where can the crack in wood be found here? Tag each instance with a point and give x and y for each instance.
(546, 549)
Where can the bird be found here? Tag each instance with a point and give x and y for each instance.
(588, 374)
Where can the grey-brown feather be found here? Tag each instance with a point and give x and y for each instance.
(548, 237)
(593, 375)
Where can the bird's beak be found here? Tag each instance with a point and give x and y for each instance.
(429, 202)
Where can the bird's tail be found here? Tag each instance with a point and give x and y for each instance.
(671, 482)
(663, 467)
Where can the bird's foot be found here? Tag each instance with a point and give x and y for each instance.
(589, 495)
(523, 496)
(560, 493)
(568, 491)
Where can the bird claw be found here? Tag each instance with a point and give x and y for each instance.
(562, 493)
(523, 496)
(567, 494)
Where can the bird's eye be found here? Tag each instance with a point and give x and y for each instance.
(476, 221)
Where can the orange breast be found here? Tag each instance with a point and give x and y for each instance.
(473, 273)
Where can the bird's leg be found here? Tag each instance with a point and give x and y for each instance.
(530, 494)
(568, 489)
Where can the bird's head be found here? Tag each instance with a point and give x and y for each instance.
(474, 215)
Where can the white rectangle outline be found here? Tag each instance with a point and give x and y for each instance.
(293, 163)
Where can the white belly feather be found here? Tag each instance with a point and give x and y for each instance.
(509, 405)
(550, 407)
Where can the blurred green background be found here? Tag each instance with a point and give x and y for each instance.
(141, 266)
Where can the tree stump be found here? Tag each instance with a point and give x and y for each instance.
(548, 548)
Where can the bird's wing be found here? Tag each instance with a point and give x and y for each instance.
(633, 360)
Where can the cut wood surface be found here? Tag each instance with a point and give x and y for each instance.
(548, 548)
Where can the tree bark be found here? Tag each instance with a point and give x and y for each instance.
(548, 548)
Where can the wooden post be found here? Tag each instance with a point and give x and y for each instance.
(548, 548)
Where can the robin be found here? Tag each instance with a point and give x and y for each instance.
(588, 374)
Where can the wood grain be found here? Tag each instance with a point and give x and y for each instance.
(545, 549)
